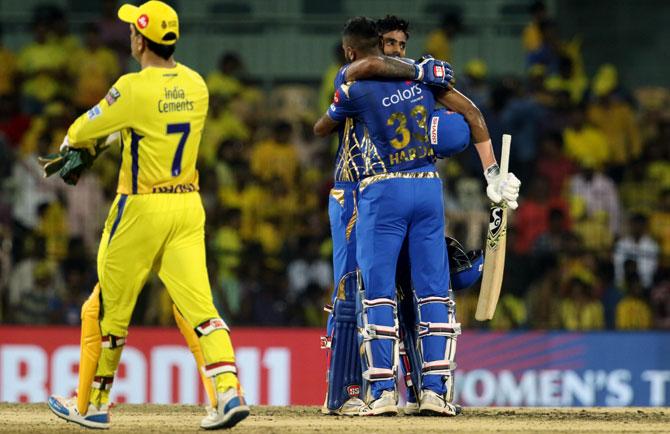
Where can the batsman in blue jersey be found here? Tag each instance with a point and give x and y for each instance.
(399, 195)
(344, 375)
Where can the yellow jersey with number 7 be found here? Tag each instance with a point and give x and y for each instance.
(161, 113)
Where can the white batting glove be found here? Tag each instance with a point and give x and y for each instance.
(499, 189)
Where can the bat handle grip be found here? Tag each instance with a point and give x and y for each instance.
(504, 155)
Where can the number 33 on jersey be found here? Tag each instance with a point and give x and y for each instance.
(161, 126)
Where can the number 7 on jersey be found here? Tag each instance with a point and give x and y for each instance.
(183, 129)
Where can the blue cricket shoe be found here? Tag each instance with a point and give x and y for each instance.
(64, 408)
(230, 410)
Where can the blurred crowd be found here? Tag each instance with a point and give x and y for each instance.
(588, 248)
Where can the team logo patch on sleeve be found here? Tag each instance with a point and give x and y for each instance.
(94, 113)
(112, 96)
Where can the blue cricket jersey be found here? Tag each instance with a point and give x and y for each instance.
(349, 160)
(395, 115)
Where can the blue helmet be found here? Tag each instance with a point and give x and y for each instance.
(449, 133)
(464, 268)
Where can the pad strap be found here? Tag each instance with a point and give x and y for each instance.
(374, 331)
(439, 329)
(379, 302)
(102, 383)
(378, 374)
(111, 341)
(435, 299)
(210, 326)
(438, 367)
(214, 369)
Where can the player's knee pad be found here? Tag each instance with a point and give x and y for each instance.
(219, 367)
(344, 365)
(378, 338)
(437, 335)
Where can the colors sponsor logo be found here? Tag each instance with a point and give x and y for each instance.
(402, 95)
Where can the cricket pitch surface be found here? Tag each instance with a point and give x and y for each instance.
(136, 419)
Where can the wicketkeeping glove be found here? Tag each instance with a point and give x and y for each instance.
(433, 72)
(502, 189)
(76, 162)
(70, 163)
(52, 163)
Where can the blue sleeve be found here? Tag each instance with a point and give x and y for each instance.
(340, 77)
(343, 106)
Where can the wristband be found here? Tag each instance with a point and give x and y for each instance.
(418, 73)
(492, 171)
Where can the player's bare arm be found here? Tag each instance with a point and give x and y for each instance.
(499, 187)
(380, 66)
(429, 71)
(456, 101)
(324, 126)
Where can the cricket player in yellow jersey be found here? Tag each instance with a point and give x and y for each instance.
(156, 221)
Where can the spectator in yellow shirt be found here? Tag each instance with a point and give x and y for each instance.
(585, 143)
(51, 126)
(42, 65)
(568, 79)
(633, 311)
(532, 37)
(225, 80)
(438, 42)
(580, 310)
(48, 127)
(53, 227)
(94, 69)
(276, 157)
(222, 125)
(60, 31)
(615, 118)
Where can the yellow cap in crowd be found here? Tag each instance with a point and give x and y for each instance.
(155, 20)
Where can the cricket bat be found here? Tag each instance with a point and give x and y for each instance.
(494, 255)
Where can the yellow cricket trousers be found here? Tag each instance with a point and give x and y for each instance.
(162, 232)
